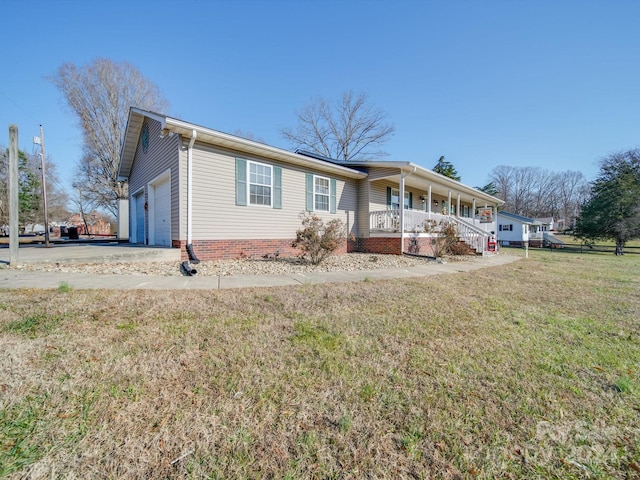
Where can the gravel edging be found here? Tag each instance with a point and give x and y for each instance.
(348, 262)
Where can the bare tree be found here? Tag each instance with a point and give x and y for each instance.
(542, 195)
(500, 176)
(83, 203)
(57, 198)
(248, 135)
(100, 94)
(573, 190)
(350, 129)
(535, 192)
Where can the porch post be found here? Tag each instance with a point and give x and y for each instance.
(473, 213)
(458, 207)
(429, 200)
(401, 213)
(449, 204)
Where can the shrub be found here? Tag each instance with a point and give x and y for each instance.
(318, 240)
(460, 248)
(444, 244)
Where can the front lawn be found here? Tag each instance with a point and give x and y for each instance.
(529, 370)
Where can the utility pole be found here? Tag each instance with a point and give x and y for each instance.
(14, 239)
(40, 141)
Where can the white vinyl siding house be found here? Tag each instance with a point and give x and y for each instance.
(228, 197)
(513, 229)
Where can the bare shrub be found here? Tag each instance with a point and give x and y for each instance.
(316, 239)
(444, 244)
(461, 248)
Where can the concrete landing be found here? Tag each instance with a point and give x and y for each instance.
(91, 253)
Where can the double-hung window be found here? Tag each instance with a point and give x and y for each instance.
(395, 199)
(260, 184)
(321, 193)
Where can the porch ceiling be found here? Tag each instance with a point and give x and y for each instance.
(421, 184)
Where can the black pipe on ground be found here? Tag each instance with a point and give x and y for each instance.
(187, 270)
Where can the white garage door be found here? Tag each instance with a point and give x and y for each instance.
(162, 213)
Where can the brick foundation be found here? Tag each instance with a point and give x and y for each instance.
(419, 246)
(230, 249)
(382, 245)
(391, 245)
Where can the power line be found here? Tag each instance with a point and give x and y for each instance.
(19, 107)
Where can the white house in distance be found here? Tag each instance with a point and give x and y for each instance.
(223, 196)
(515, 230)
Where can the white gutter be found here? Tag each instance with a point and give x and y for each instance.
(249, 146)
(402, 177)
(190, 184)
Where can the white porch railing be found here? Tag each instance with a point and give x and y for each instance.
(414, 220)
(471, 234)
(418, 221)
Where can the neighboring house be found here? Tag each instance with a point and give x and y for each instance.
(515, 230)
(89, 224)
(547, 224)
(230, 197)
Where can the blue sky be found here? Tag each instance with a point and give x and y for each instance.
(554, 84)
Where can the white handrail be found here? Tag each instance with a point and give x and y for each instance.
(416, 221)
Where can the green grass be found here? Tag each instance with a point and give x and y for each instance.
(530, 370)
(32, 326)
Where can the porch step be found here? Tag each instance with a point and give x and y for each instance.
(553, 241)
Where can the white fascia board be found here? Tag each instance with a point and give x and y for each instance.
(430, 174)
(260, 149)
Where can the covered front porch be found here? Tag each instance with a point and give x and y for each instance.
(410, 206)
(420, 225)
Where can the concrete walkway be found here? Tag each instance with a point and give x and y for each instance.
(13, 278)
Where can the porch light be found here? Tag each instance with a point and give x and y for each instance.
(423, 198)
(435, 202)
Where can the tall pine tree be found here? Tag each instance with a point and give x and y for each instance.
(613, 211)
(447, 169)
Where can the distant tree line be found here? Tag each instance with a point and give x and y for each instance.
(535, 192)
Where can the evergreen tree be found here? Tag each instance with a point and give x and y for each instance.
(447, 169)
(613, 211)
(29, 188)
(490, 189)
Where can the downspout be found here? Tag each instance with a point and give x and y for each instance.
(192, 255)
(402, 234)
